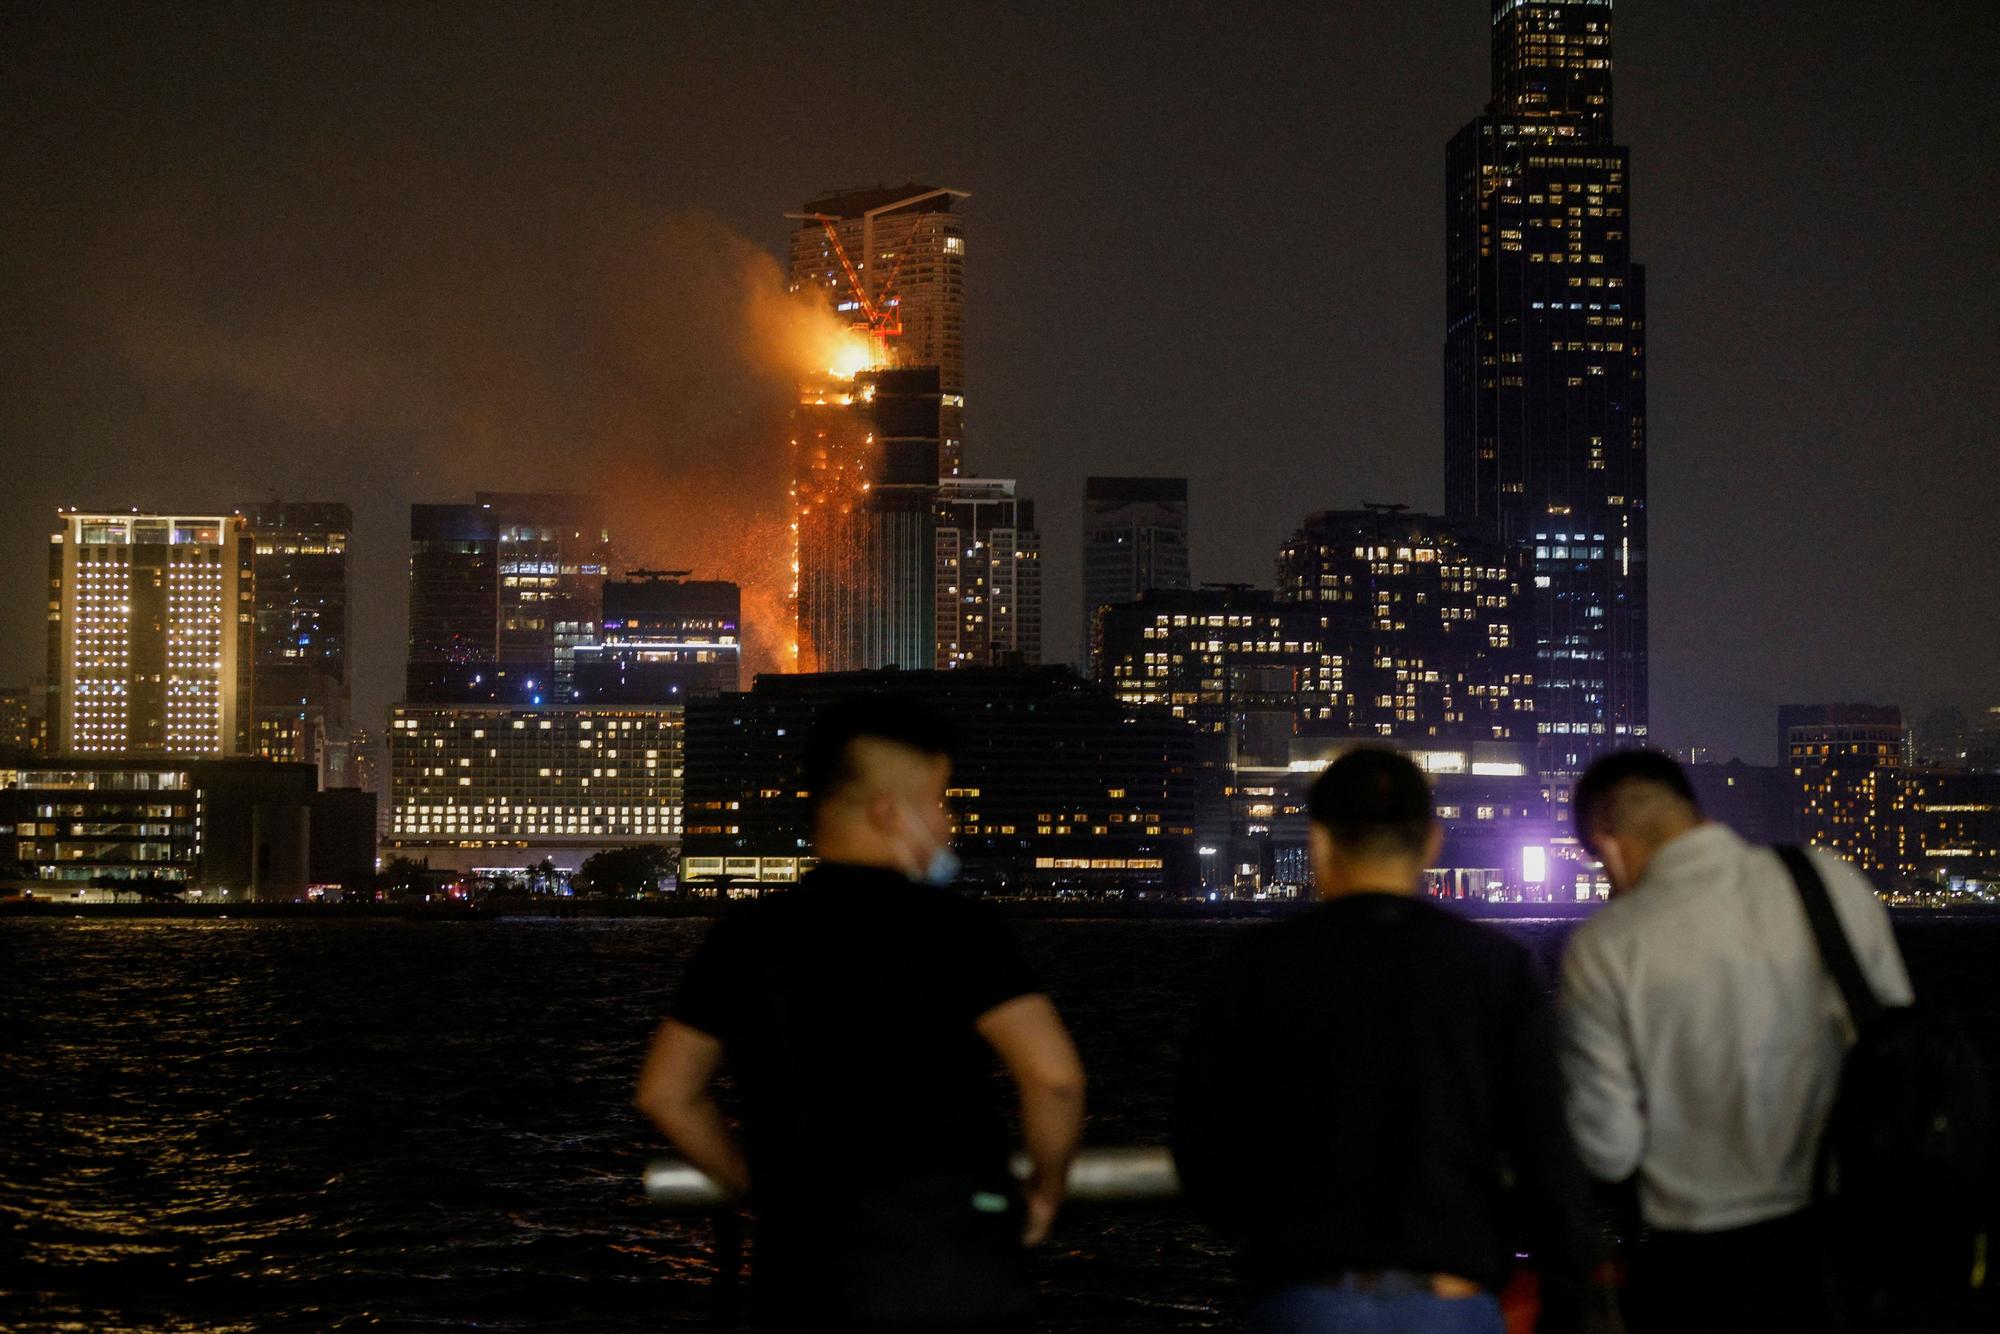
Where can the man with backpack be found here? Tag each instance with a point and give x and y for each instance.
(1704, 1037)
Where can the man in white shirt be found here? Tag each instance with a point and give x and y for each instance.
(1702, 1042)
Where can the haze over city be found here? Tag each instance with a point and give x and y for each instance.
(391, 256)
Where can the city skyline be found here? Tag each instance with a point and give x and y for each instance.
(1791, 562)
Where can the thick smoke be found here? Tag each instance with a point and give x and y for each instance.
(651, 360)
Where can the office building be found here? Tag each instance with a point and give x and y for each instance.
(1845, 760)
(1504, 840)
(1947, 828)
(485, 787)
(664, 638)
(1055, 786)
(302, 687)
(1135, 538)
(891, 263)
(19, 731)
(152, 632)
(864, 513)
(214, 829)
(502, 591)
(1428, 619)
(1544, 361)
(989, 575)
(1826, 733)
(1238, 664)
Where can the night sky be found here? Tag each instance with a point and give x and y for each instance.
(390, 253)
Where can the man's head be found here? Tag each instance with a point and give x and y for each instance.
(1372, 827)
(876, 769)
(1629, 805)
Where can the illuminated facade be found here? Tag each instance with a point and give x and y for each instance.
(487, 786)
(151, 635)
(864, 510)
(1845, 761)
(892, 262)
(1414, 652)
(17, 720)
(1056, 786)
(228, 829)
(502, 591)
(1429, 620)
(989, 576)
(1948, 827)
(1238, 664)
(664, 639)
(1857, 795)
(1135, 538)
(303, 695)
(1544, 367)
(1503, 840)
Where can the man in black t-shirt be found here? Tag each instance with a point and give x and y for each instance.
(1370, 1110)
(859, 1016)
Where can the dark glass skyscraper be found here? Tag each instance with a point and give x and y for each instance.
(299, 557)
(1135, 538)
(1544, 366)
(502, 591)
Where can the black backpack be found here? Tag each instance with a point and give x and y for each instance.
(1902, 1185)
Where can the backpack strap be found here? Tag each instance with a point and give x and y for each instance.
(1835, 950)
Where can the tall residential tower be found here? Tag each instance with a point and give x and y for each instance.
(1544, 366)
(151, 635)
(299, 555)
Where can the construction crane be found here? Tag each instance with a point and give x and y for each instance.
(881, 319)
(881, 312)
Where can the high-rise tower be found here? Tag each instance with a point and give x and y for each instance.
(152, 635)
(299, 555)
(989, 575)
(864, 521)
(1544, 366)
(892, 262)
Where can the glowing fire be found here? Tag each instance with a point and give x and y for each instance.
(852, 353)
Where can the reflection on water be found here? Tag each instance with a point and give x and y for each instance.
(223, 1126)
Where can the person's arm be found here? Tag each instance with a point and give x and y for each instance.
(1607, 1108)
(1870, 931)
(674, 1091)
(1032, 1043)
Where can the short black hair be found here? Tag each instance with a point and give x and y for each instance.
(1373, 800)
(1611, 772)
(880, 714)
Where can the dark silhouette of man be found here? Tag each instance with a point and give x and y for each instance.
(859, 1015)
(1370, 1103)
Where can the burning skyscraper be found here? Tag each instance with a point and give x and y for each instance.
(886, 526)
(864, 514)
(891, 263)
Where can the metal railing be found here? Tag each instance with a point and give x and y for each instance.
(1124, 1175)
(1111, 1176)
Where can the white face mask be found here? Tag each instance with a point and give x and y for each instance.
(942, 866)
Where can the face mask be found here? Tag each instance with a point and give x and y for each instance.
(944, 865)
